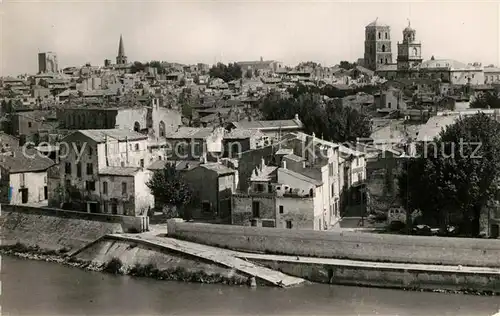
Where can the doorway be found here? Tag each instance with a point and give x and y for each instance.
(494, 231)
(24, 195)
(114, 208)
(45, 193)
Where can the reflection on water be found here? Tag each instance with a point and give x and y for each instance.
(40, 288)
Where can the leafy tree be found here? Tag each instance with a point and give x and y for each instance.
(137, 66)
(486, 100)
(329, 120)
(347, 65)
(182, 82)
(226, 73)
(455, 175)
(169, 187)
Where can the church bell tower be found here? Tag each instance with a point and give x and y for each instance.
(409, 51)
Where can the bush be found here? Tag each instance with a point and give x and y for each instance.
(114, 266)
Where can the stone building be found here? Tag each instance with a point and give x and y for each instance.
(47, 63)
(378, 50)
(213, 185)
(155, 120)
(84, 155)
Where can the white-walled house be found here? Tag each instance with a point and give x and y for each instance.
(24, 177)
(124, 191)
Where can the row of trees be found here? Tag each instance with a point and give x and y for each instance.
(486, 100)
(455, 175)
(330, 120)
(138, 66)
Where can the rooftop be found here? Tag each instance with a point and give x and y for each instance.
(299, 177)
(100, 135)
(240, 133)
(275, 124)
(119, 171)
(29, 161)
(218, 168)
(191, 132)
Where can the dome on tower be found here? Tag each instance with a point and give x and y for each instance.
(408, 29)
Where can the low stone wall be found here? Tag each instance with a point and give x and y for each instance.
(55, 228)
(343, 245)
(388, 278)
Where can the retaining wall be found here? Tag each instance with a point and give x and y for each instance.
(55, 228)
(388, 278)
(343, 245)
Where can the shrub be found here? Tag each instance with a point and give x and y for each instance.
(113, 266)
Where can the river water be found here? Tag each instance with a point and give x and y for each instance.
(41, 288)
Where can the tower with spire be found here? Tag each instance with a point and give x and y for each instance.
(409, 51)
(121, 59)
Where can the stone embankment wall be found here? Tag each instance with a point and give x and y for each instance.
(131, 254)
(55, 229)
(343, 245)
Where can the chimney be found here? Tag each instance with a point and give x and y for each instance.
(283, 164)
(296, 117)
(262, 163)
(261, 59)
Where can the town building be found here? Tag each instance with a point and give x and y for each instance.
(260, 67)
(24, 176)
(272, 129)
(47, 63)
(86, 154)
(303, 182)
(153, 119)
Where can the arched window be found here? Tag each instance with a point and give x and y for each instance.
(383, 48)
(386, 61)
(162, 129)
(415, 51)
(137, 127)
(379, 35)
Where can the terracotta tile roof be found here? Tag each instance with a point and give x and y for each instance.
(28, 161)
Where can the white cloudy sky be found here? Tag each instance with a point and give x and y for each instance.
(208, 31)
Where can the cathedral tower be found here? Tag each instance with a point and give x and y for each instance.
(409, 51)
(121, 59)
(377, 45)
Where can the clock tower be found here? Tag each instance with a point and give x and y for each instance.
(409, 51)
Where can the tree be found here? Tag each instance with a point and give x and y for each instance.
(347, 65)
(330, 120)
(455, 176)
(137, 66)
(486, 100)
(226, 73)
(169, 187)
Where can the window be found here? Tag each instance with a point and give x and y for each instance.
(289, 224)
(383, 48)
(29, 124)
(78, 169)
(67, 168)
(141, 163)
(136, 147)
(333, 190)
(389, 104)
(260, 187)
(90, 151)
(256, 209)
(122, 163)
(90, 169)
(379, 35)
(386, 36)
(124, 187)
(105, 187)
(90, 185)
(281, 209)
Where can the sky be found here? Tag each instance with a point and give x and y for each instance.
(228, 31)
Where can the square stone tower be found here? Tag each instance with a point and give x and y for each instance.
(378, 50)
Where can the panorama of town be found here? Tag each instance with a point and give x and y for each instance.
(382, 171)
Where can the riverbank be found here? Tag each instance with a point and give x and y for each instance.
(116, 266)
